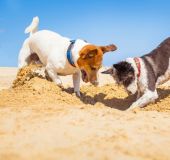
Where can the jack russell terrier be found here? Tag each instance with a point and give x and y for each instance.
(144, 74)
(61, 56)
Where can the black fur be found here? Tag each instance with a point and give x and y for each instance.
(125, 73)
(160, 56)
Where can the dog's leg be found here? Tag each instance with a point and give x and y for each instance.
(76, 83)
(148, 96)
(24, 55)
(138, 94)
(53, 75)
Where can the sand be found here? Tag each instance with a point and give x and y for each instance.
(39, 120)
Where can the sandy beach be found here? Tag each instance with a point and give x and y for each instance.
(39, 120)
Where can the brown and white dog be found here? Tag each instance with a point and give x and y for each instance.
(142, 75)
(61, 56)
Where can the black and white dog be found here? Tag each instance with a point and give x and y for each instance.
(142, 75)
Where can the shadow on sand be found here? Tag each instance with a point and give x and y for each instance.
(117, 103)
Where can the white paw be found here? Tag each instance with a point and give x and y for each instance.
(78, 94)
(132, 107)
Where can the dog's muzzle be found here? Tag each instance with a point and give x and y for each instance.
(95, 83)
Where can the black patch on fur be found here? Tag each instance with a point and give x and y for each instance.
(150, 75)
(160, 57)
(125, 73)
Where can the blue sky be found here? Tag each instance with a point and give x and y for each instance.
(135, 26)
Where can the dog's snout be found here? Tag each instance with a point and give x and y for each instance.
(95, 83)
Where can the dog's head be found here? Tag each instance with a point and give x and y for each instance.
(124, 74)
(90, 61)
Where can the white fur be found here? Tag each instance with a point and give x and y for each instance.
(51, 48)
(140, 84)
(133, 86)
(33, 27)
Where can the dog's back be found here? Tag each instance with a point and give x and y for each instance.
(43, 43)
(157, 62)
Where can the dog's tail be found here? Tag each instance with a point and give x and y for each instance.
(33, 27)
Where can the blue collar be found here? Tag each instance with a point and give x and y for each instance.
(69, 54)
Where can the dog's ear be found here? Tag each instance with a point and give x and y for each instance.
(91, 53)
(108, 48)
(110, 71)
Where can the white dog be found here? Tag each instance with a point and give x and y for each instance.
(61, 56)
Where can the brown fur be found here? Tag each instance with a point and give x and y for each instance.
(90, 60)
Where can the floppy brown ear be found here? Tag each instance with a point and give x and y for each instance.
(108, 48)
(89, 54)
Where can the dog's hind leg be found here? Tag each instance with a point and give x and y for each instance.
(76, 83)
(53, 75)
(25, 51)
(24, 54)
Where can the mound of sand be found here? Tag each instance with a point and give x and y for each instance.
(26, 73)
(33, 87)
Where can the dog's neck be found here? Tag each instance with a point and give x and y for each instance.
(79, 44)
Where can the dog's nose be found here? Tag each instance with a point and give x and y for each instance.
(95, 83)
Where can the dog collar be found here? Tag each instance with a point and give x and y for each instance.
(137, 61)
(69, 53)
